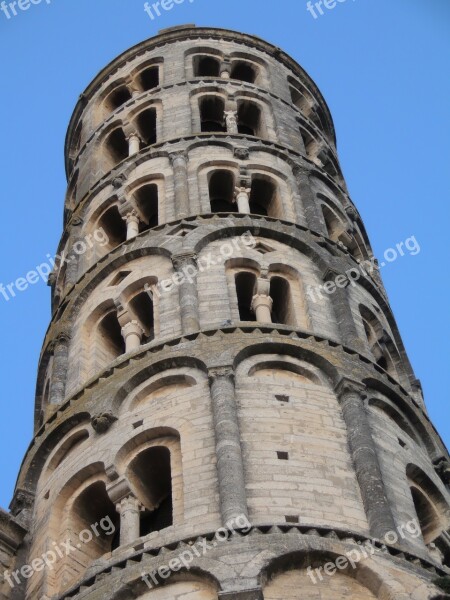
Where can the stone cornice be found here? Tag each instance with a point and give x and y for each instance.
(341, 541)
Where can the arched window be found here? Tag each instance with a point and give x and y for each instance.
(311, 145)
(378, 341)
(429, 521)
(92, 506)
(243, 71)
(142, 306)
(332, 223)
(206, 66)
(118, 97)
(299, 99)
(110, 343)
(146, 198)
(146, 124)
(245, 290)
(283, 306)
(149, 78)
(264, 198)
(114, 226)
(117, 146)
(212, 114)
(249, 119)
(221, 192)
(151, 477)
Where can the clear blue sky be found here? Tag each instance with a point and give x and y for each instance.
(382, 66)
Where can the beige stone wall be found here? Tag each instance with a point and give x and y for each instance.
(338, 587)
(317, 483)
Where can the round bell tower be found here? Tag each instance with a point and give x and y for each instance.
(225, 408)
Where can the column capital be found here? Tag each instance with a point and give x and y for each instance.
(130, 502)
(132, 328)
(133, 136)
(62, 338)
(131, 217)
(231, 121)
(261, 300)
(178, 157)
(351, 386)
(223, 372)
(181, 260)
(241, 190)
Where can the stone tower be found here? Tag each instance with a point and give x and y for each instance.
(225, 408)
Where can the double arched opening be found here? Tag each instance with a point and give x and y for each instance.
(262, 198)
(268, 301)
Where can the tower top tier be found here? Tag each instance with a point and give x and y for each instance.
(190, 41)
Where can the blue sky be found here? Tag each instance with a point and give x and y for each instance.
(383, 69)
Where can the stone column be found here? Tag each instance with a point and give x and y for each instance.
(72, 259)
(230, 467)
(231, 121)
(340, 302)
(186, 268)
(262, 302)
(262, 307)
(129, 509)
(134, 144)
(225, 69)
(181, 185)
(242, 195)
(314, 220)
(365, 460)
(132, 334)
(132, 221)
(59, 369)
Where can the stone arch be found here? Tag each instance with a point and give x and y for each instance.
(286, 574)
(143, 306)
(211, 111)
(147, 118)
(29, 477)
(163, 383)
(432, 508)
(217, 179)
(71, 443)
(148, 193)
(114, 144)
(413, 414)
(196, 584)
(254, 116)
(152, 370)
(82, 503)
(116, 96)
(314, 253)
(151, 461)
(296, 352)
(395, 415)
(380, 343)
(193, 57)
(103, 332)
(241, 274)
(289, 304)
(149, 75)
